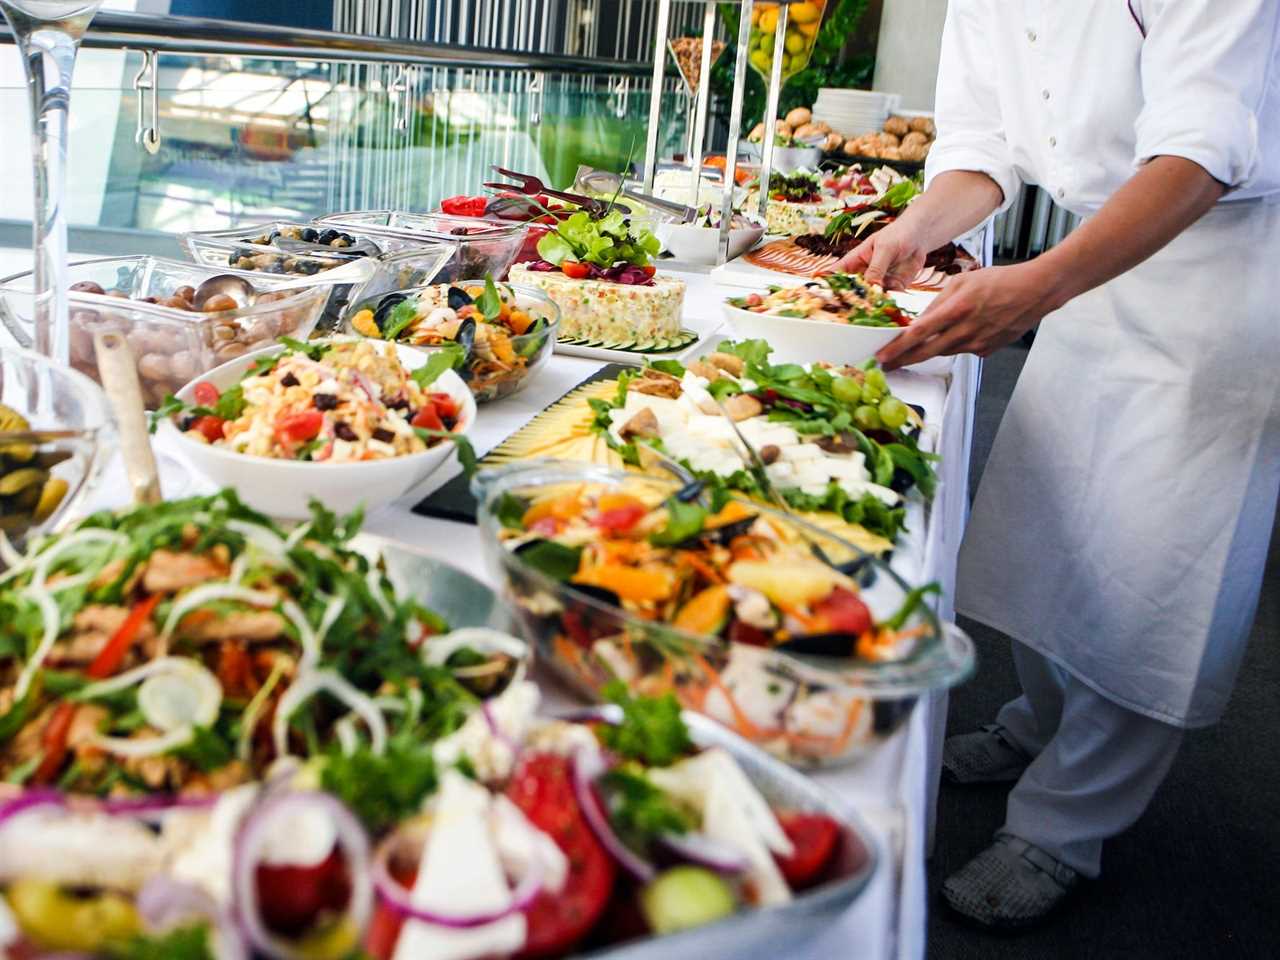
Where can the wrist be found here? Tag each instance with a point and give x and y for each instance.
(1054, 278)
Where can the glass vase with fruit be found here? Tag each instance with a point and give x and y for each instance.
(804, 19)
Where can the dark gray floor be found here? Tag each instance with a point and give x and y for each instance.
(1199, 876)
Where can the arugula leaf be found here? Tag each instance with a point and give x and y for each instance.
(182, 943)
(489, 303)
(314, 351)
(556, 560)
(206, 750)
(169, 408)
(510, 511)
(402, 314)
(684, 521)
(652, 730)
(230, 404)
(752, 351)
(466, 452)
(381, 790)
(449, 357)
(910, 603)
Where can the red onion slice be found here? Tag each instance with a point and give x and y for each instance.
(136, 806)
(586, 767)
(400, 900)
(255, 831)
(164, 904)
(29, 800)
(700, 849)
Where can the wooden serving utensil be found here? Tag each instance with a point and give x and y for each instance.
(119, 372)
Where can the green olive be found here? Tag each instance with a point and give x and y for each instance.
(56, 920)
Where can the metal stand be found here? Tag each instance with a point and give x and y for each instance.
(702, 104)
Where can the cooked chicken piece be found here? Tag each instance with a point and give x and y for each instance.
(705, 370)
(108, 575)
(92, 628)
(216, 781)
(100, 618)
(643, 424)
(26, 743)
(169, 572)
(743, 406)
(82, 733)
(240, 625)
(654, 383)
(727, 362)
(158, 771)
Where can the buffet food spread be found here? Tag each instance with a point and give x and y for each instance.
(242, 736)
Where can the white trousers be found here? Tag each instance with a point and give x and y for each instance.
(1096, 767)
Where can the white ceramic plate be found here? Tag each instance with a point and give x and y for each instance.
(284, 488)
(805, 341)
(691, 243)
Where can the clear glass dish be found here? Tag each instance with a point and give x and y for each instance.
(493, 369)
(53, 428)
(484, 246)
(172, 345)
(808, 710)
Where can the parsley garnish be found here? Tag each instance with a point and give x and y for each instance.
(652, 730)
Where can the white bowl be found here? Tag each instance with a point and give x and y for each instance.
(285, 488)
(804, 341)
(787, 159)
(691, 243)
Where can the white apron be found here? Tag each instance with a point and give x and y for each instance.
(1121, 526)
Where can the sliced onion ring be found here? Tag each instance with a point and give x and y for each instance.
(29, 800)
(252, 837)
(700, 849)
(587, 765)
(164, 904)
(400, 900)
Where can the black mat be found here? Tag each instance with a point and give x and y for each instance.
(453, 501)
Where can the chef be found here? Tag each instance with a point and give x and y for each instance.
(1120, 530)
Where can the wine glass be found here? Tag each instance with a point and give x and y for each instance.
(48, 34)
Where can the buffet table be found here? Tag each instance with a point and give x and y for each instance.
(893, 790)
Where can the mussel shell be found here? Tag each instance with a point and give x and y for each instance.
(466, 335)
(384, 308)
(602, 594)
(842, 645)
(458, 298)
(691, 491)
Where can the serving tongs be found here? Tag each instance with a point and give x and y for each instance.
(606, 182)
(531, 186)
(119, 373)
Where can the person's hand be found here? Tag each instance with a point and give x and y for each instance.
(891, 257)
(978, 312)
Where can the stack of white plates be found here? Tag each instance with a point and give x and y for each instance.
(852, 112)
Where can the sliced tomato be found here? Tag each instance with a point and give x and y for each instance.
(54, 744)
(543, 790)
(575, 270)
(117, 648)
(206, 394)
(620, 519)
(213, 428)
(464, 206)
(427, 418)
(299, 427)
(292, 898)
(843, 612)
(384, 930)
(446, 406)
(813, 837)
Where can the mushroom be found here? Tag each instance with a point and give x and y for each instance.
(643, 424)
(743, 406)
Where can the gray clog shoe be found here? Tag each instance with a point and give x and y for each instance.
(1011, 885)
(986, 756)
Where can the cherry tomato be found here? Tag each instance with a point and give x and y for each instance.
(649, 270)
(898, 317)
(621, 518)
(464, 206)
(292, 898)
(843, 612)
(814, 837)
(575, 270)
(299, 427)
(213, 428)
(445, 405)
(543, 790)
(427, 418)
(206, 394)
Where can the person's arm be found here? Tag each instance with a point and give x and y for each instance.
(983, 311)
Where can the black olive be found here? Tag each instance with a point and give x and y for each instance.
(458, 232)
(458, 298)
(448, 423)
(308, 235)
(272, 237)
(384, 308)
(289, 380)
(385, 436)
(342, 430)
(325, 401)
(188, 423)
(399, 403)
(327, 237)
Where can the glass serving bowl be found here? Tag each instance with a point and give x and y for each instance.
(804, 19)
(53, 426)
(496, 367)
(808, 710)
(483, 246)
(172, 345)
(385, 271)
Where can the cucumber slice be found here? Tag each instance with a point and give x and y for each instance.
(685, 897)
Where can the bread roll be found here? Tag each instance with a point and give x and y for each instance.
(914, 138)
(757, 133)
(915, 151)
(924, 125)
(888, 140)
(799, 117)
(852, 148)
(890, 153)
(897, 126)
(822, 125)
(833, 143)
(808, 132)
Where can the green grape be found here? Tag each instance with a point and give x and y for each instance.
(875, 379)
(893, 412)
(846, 390)
(871, 393)
(867, 417)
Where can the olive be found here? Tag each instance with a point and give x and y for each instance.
(87, 286)
(327, 237)
(385, 306)
(308, 235)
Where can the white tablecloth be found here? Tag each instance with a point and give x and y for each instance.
(894, 788)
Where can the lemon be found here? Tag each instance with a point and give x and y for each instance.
(761, 60)
(795, 42)
(805, 12)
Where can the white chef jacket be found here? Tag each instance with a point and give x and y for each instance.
(1072, 95)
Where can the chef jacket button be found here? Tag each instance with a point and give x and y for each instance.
(1061, 193)
(1045, 94)
(1031, 35)
(1053, 141)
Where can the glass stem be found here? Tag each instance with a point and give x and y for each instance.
(49, 56)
